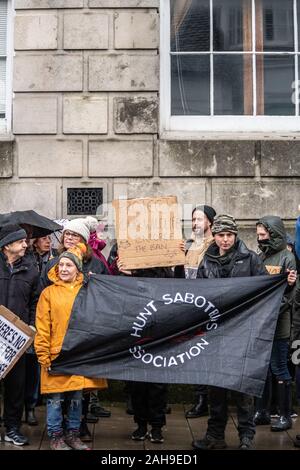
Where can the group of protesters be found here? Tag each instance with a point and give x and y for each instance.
(40, 284)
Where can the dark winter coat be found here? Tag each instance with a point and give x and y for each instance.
(277, 259)
(241, 262)
(19, 288)
(94, 266)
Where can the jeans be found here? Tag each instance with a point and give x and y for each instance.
(55, 415)
(279, 359)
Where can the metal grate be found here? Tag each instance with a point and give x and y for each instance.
(84, 201)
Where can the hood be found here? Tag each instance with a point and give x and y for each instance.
(53, 277)
(277, 232)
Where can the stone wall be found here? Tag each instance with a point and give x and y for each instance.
(85, 113)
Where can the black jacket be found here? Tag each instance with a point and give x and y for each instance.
(19, 288)
(242, 263)
(94, 265)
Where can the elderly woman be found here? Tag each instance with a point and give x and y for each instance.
(53, 313)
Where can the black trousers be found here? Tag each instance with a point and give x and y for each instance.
(14, 394)
(200, 390)
(218, 413)
(149, 402)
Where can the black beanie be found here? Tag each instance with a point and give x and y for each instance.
(207, 210)
(10, 234)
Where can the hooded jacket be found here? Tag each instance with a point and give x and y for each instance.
(52, 318)
(277, 259)
(241, 262)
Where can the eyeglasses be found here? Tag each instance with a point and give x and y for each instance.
(71, 234)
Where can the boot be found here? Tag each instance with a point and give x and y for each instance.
(284, 421)
(30, 418)
(199, 409)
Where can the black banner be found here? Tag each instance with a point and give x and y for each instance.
(215, 332)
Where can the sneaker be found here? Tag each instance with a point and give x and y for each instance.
(139, 434)
(246, 443)
(156, 436)
(262, 418)
(57, 442)
(73, 440)
(209, 443)
(99, 411)
(84, 432)
(16, 437)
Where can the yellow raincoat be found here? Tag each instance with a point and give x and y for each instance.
(53, 312)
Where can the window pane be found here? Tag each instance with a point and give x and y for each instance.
(190, 85)
(232, 25)
(189, 25)
(2, 87)
(275, 77)
(274, 25)
(233, 85)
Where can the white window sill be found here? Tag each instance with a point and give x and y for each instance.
(200, 135)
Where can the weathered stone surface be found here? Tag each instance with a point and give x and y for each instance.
(49, 158)
(189, 192)
(36, 31)
(280, 158)
(123, 72)
(121, 158)
(6, 160)
(60, 72)
(30, 195)
(35, 114)
(208, 158)
(85, 31)
(252, 200)
(138, 115)
(124, 3)
(136, 30)
(85, 115)
(34, 4)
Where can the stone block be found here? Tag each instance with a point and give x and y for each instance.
(85, 115)
(207, 158)
(136, 30)
(280, 158)
(60, 72)
(50, 158)
(29, 195)
(120, 158)
(39, 4)
(137, 115)
(85, 31)
(35, 114)
(124, 3)
(251, 200)
(6, 160)
(123, 72)
(36, 31)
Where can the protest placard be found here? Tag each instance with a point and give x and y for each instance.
(15, 339)
(148, 232)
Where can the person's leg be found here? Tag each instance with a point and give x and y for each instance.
(55, 421)
(14, 396)
(215, 434)
(262, 405)
(279, 359)
(139, 396)
(73, 419)
(32, 388)
(245, 414)
(157, 399)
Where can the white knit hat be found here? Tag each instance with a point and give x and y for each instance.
(82, 226)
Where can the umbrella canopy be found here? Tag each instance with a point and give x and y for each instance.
(31, 221)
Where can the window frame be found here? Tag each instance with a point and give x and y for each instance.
(201, 127)
(6, 123)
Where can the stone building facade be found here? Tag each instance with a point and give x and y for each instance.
(86, 83)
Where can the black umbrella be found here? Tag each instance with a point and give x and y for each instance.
(31, 221)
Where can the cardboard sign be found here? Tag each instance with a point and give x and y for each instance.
(15, 338)
(148, 232)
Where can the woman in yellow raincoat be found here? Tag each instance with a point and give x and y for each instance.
(53, 313)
